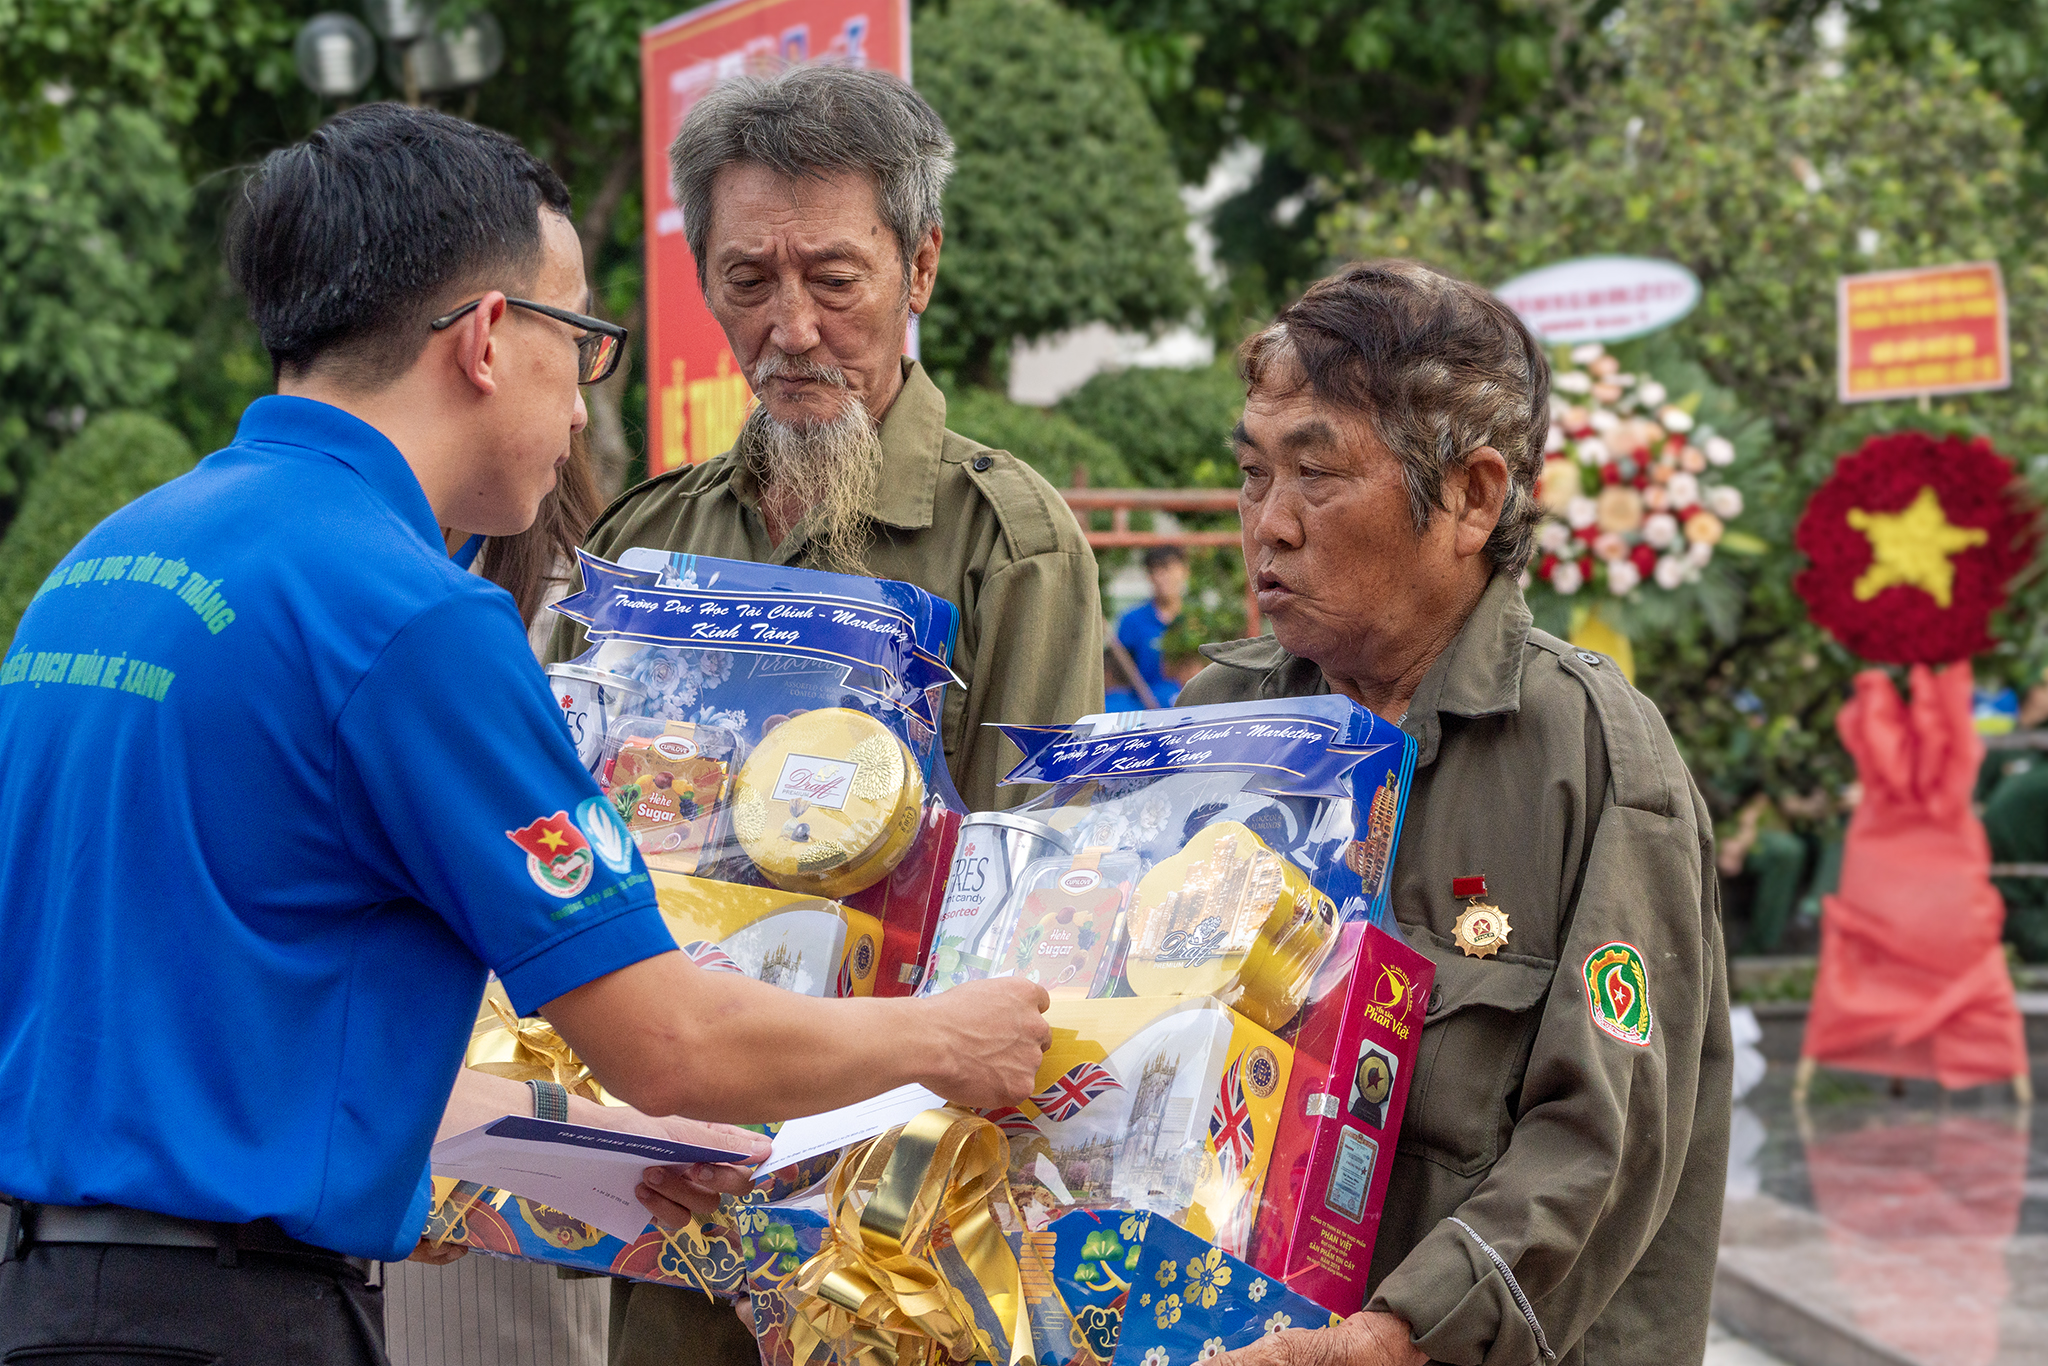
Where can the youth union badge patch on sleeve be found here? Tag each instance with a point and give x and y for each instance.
(1618, 992)
(557, 856)
(606, 833)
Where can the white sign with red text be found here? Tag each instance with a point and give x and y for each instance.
(1601, 298)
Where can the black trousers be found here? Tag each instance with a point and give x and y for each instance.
(96, 1304)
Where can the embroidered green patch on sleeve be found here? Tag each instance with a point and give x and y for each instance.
(1618, 992)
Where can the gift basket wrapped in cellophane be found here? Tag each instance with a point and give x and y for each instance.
(766, 737)
(1203, 893)
(775, 728)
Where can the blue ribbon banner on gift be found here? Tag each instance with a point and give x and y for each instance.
(1290, 755)
(873, 643)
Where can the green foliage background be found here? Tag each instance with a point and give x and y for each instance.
(1769, 173)
(123, 124)
(92, 249)
(1064, 207)
(1171, 426)
(1049, 441)
(1333, 91)
(114, 460)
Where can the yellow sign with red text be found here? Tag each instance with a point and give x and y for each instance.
(1934, 330)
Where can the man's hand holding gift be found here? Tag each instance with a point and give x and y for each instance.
(1364, 1339)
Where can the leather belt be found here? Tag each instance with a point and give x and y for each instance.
(120, 1225)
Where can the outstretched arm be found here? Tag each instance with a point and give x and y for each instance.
(671, 1038)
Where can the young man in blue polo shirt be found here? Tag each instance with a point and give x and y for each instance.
(280, 783)
(1142, 630)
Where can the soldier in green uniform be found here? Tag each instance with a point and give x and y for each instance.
(1558, 1183)
(811, 205)
(812, 208)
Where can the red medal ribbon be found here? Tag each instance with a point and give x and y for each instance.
(1462, 887)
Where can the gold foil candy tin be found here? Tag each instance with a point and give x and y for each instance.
(1229, 917)
(828, 802)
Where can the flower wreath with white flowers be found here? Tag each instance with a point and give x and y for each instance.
(1634, 488)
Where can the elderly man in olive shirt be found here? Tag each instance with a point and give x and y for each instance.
(812, 207)
(1557, 1188)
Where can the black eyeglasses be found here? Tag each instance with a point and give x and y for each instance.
(597, 350)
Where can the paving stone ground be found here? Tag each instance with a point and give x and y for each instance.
(1910, 1224)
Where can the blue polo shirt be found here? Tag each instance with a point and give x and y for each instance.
(279, 782)
(1141, 632)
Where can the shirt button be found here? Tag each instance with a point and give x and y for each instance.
(982, 463)
(1590, 658)
(1436, 1000)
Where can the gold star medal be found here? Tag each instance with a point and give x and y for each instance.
(1482, 929)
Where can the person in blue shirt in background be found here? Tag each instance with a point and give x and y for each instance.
(1140, 631)
(281, 783)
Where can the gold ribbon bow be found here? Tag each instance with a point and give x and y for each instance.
(876, 1285)
(506, 1045)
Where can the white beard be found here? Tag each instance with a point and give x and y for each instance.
(828, 470)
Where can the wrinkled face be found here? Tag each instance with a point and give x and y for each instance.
(538, 405)
(808, 283)
(1329, 540)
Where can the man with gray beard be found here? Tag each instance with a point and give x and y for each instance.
(811, 205)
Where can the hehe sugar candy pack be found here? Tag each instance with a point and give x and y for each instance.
(1204, 893)
(776, 727)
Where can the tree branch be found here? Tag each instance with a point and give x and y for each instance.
(596, 224)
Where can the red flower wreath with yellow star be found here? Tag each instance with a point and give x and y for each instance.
(1912, 541)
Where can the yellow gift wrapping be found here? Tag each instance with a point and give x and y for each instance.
(806, 944)
(1167, 1105)
(529, 1049)
(1228, 917)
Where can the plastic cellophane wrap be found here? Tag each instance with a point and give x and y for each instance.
(767, 742)
(1203, 893)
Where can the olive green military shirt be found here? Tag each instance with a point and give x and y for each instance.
(977, 527)
(1590, 1158)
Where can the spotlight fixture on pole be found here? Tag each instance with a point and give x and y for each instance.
(335, 55)
(454, 59)
(400, 21)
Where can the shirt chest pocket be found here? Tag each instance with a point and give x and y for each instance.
(1482, 1020)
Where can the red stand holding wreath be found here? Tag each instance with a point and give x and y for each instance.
(1912, 541)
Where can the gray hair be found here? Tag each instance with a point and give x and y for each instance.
(1437, 366)
(816, 121)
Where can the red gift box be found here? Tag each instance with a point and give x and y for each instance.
(907, 901)
(1354, 1053)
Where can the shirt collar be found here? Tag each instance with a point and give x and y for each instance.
(1478, 674)
(913, 434)
(286, 420)
(1281, 674)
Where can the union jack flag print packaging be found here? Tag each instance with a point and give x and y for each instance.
(1206, 899)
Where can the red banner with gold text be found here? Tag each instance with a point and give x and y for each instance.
(1935, 330)
(696, 396)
